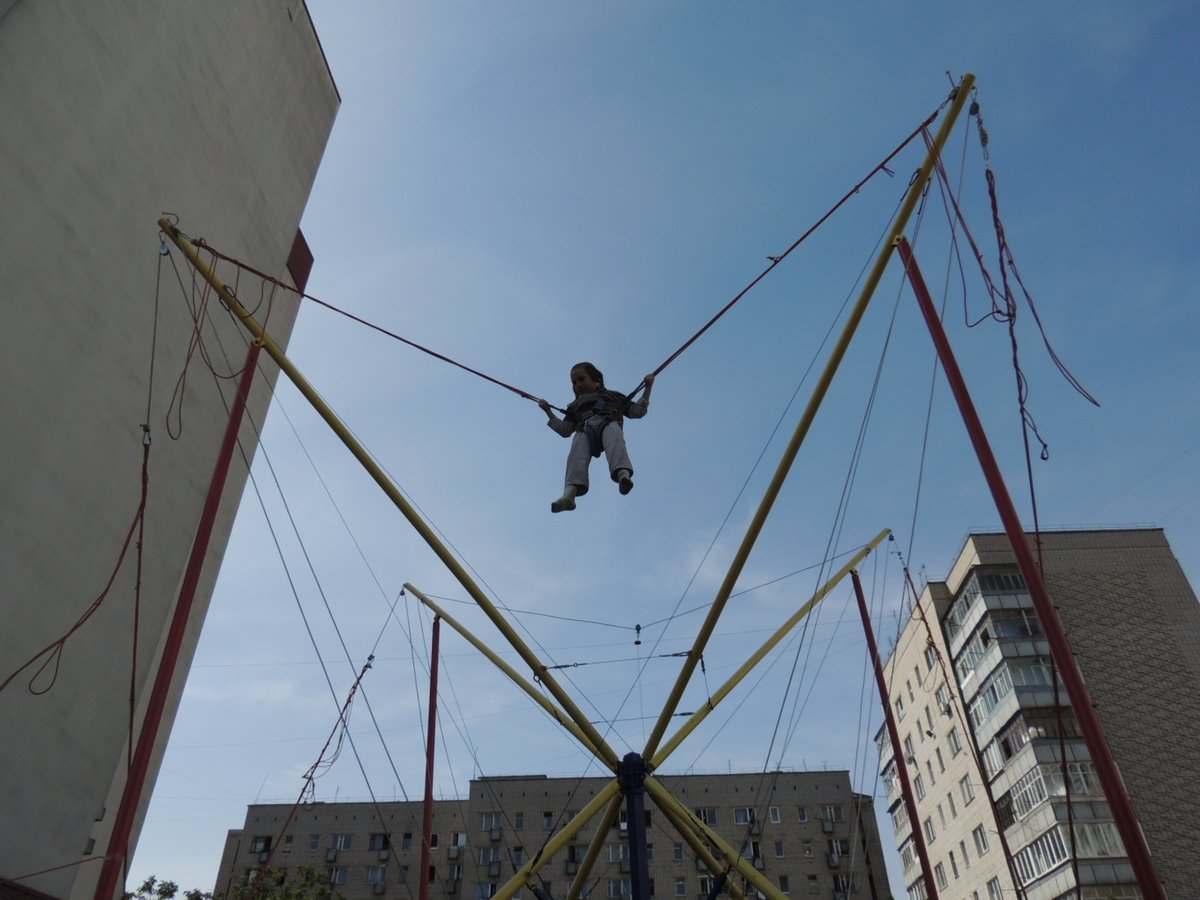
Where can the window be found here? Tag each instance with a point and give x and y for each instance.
(930, 657)
(919, 787)
(803, 812)
(338, 875)
(807, 846)
(981, 840)
(779, 849)
(833, 813)
(845, 883)
(839, 847)
(995, 892)
(491, 820)
(773, 814)
(375, 874)
(618, 852)
(929, 769)
(519, 821)
(518, 856)
(900, 710)
(680, 886)
(784, 886)
(314, 843)
(287, 843)
(707, 815)
(342, 842)
(911, 696)
(618, 888)
(943, 700)
(910, 755)
(433, 841)
(548, 820)
(485, 890)
(814, 885)
(950, 800)
(927, 827)
(489, 855)
(1039, 857)
(678, 851)
(941, 764)
(939, 873)
(962, 849)
(941, 815)
(377, 841)
(260, 844)
(742, 815)
(751, 850)
(953, 865)
(402, 874)
(955, 741)
(968, 792)
(406, 841)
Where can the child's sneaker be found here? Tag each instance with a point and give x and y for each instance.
(563, 504)
(624, 483)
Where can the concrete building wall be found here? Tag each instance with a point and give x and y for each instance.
(505, 821)
(935, 742)
(113, 113)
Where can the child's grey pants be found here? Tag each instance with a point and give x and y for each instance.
(580, 455)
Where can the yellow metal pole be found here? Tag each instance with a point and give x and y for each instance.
(555, 713)
(664, 798)
(962, 92)
(594, 848)
(373, 469)
(560, 840)
(696, 841)
(722, 692)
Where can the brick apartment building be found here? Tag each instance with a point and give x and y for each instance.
(980, 676)
(808, 832)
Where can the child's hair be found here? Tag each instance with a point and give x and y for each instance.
(594, 373)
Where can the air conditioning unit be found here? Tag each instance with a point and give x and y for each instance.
(624, 865)
(827, 826)
(451, 885)
(832, 859)
(453, 851)
(383, 855)
(758, 863)
(495, 835)
(331, 855)
(756, 828)
(700, 866)
(572, 867)
(264, 856)
(493, 869)
(378, 888)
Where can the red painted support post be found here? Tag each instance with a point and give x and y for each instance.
(894, 735)
(427, 828)
(1081, 702)
(117, 855)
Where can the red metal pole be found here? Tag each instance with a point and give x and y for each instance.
(427, 828)
(894, 735)
(1081, 702)
(118, 842)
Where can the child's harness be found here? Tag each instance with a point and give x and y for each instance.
(605, 408)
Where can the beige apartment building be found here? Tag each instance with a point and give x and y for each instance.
(972, 689)
(808, 832)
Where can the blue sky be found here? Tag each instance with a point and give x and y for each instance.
(524, 185)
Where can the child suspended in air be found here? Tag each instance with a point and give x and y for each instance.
(593, 421)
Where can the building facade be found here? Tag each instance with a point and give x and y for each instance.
(992, 747)
(807, 832)
(115, 113)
